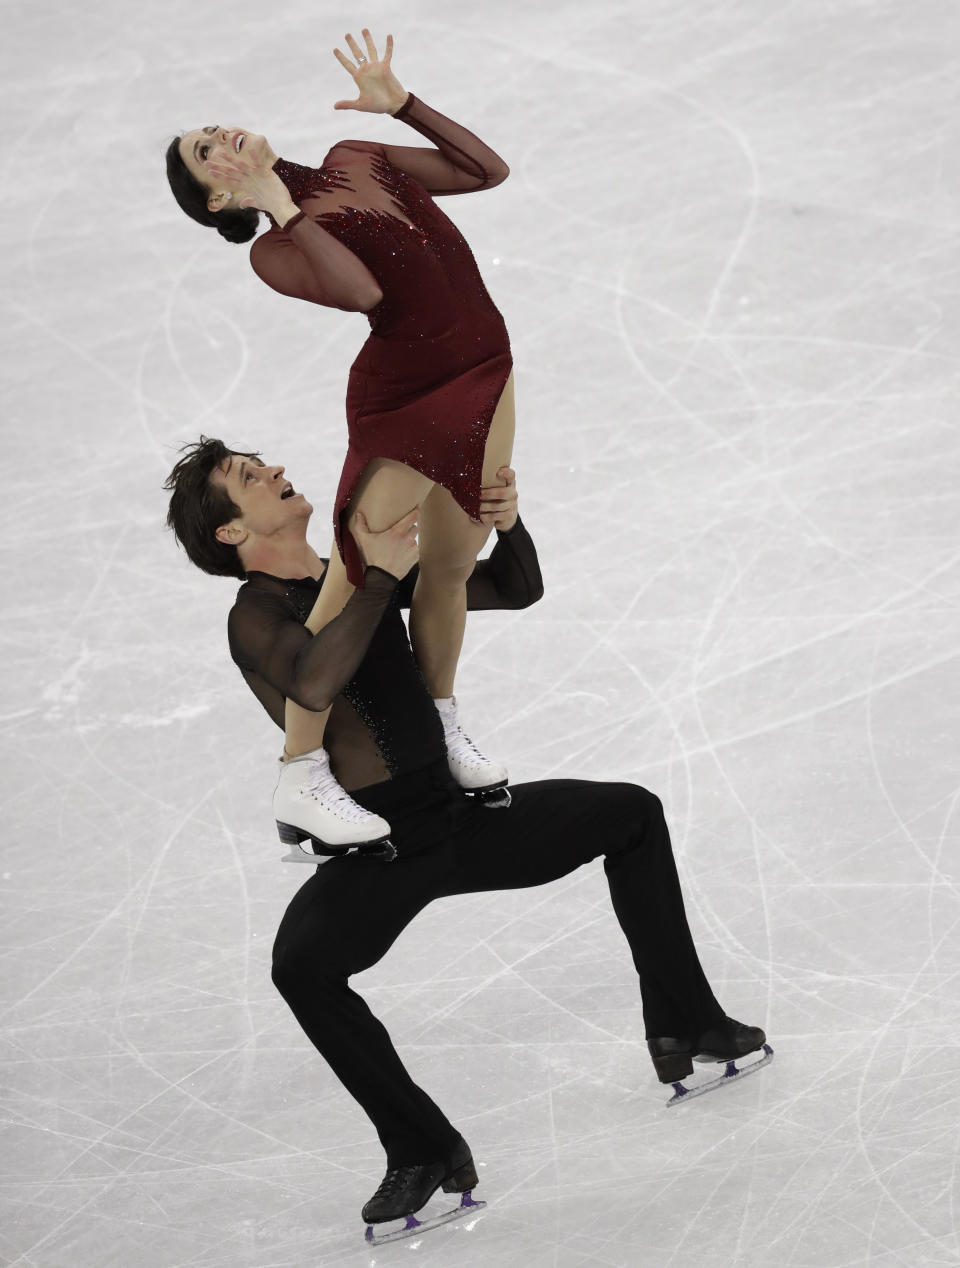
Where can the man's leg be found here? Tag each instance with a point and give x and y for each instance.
(340, 922)
(554, 826)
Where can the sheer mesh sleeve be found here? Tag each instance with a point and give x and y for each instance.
(311, 670)
(509, 579)
(305, 261)
(461, 163)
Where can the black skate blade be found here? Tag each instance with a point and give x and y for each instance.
(379, 847)
(384, 851)
(730, 1074)
(412, 1227)
(498, 797)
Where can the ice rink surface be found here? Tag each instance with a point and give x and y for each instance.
(727, 257)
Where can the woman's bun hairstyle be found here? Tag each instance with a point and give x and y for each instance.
(235, 226)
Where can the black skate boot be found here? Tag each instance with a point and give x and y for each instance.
(726, 1042)
(404, 1190)
(673, 1058)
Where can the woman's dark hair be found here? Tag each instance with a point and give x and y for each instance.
(198, 507)
(235, 226)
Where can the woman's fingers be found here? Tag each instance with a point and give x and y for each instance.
(225, 172)
(343, 61)
(371, 47)
(354, 47)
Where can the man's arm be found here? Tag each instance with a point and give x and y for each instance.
(312, 668)
(309, 669)
(510, 578)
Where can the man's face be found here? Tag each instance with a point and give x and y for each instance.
(268, 504)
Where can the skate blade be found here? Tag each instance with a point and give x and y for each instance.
(383, 849)
(730, 1075)
(412, 1227)
(491, 798)
(299, 855)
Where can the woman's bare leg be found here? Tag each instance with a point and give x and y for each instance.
(449, 544)
(387, 490)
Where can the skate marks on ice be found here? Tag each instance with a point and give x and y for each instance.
(732, 1072)
(745, 510)
(412, 1227)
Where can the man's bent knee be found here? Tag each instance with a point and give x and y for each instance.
(299, 963)
(634, 801)
(635, 810)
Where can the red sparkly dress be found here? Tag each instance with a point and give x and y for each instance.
(424, 388)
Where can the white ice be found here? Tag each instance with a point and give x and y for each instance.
(727, 257)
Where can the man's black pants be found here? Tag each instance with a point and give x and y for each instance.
(346, 917)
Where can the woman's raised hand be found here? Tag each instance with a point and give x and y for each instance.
(380, 90)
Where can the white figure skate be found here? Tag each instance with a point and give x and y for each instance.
(476, 774)
(309, 805)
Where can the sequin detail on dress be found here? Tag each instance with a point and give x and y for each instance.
(305, 182)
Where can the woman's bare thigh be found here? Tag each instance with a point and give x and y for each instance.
(449, 538)
(387, 490)
(499, 448)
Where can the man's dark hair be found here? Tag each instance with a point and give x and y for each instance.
(235, 226)
(198, 507)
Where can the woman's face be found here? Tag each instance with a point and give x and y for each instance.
(221, 146)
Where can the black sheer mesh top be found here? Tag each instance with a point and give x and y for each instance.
(383, 722)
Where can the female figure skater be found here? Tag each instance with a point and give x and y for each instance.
(430, 410)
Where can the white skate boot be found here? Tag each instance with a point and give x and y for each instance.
(476, 774)
(309, 804)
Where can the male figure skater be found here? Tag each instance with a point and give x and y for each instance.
(237, 517)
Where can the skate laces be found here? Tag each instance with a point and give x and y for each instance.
(463, 749)
(395, 1179)
(323, 786)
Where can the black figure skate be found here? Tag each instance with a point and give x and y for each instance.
(727, 1042)
(405, 1190)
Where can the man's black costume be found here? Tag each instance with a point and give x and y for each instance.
(386, 746)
